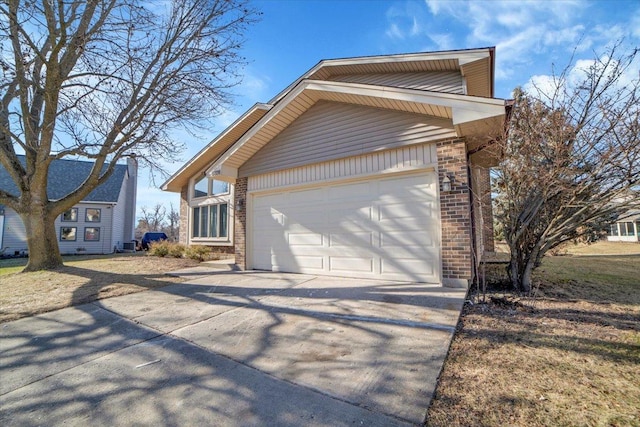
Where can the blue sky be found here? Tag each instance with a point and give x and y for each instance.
(530, 37)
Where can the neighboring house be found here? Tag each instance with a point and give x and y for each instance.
(101, 223)
(363, 167)
(627, 228)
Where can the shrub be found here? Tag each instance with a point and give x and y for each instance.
(160, 248)
(176, 250)
(197, 252)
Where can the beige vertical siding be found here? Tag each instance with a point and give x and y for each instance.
(443, 81)
(397, 160)
(331, 130)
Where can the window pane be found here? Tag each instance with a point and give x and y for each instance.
(626, 229)
(91, 234)
(223, 220)
(614, 230)
(68, 233)
(204, 221)
(220, 187)
(92, 215)
(213, 223)
(196, 222)
(201, 188)
(71, 215)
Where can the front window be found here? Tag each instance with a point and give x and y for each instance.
(210, 221)
(209, 187)
(201, 188)
(70, 216)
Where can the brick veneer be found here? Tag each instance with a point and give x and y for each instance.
(240, 223)
(455, 213)
(184, 216)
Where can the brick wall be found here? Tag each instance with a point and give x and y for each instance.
(455, 213)
(240, 223)
(184, 216)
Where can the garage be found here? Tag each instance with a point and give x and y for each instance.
(382, 227)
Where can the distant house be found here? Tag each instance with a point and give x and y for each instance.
(363, 167)
(99, 224)
(627, 228)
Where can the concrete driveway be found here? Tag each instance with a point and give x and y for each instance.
(233, 349)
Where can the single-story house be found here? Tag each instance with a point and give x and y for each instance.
(102, 223)
(627, 228)
(366, 167)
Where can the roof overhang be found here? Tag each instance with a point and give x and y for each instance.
(469, 115)
(215, 148)
(476, 65)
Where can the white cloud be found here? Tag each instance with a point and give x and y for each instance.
(394, 32)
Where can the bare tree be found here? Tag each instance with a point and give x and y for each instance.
(173, 226)
(570, 160)
(153, 219)
(103, 80)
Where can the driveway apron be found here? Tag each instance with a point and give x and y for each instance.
(233, 349)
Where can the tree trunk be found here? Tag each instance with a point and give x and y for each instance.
(42, 241)
(525, 279)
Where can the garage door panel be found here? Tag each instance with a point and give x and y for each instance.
(310, 262)
(349, 192)
(418, 238)
(315, 196)
(386, 227)
(345, 264)
(305, 239)
(395, 211)
(345, 240)
(406, 266)
(350, 214)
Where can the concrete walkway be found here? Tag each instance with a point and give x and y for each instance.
(233, 349)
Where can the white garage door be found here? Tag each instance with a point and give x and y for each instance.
(381, 228)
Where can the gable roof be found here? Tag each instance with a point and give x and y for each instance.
(470, 114)
(67, 175)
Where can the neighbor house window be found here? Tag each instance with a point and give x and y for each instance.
(70, 216)
(211, 221)
(92, 215)
(614, 230)
(626, 229)
(68, 233)
(210, 187)
(91, 234)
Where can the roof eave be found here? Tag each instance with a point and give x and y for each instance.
(181, 177)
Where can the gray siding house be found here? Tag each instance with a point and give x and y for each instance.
(369, 167)
(99, 224)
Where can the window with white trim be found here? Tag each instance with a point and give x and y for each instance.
(209, 187)
(626, 229)
(211, 221)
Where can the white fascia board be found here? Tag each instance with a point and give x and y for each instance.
(259, 124)
(205, 149)
(465, 108)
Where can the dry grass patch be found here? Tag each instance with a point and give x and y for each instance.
(570, 356)
(81, 280)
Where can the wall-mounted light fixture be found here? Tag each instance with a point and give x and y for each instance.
(447, 183)
(240, 204)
